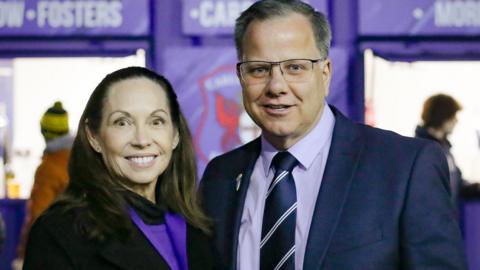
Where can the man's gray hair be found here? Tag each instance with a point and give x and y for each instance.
(267, 9)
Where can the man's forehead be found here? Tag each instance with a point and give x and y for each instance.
(279, 37)
(279, 19)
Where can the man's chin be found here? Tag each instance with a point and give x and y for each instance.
(280, 139)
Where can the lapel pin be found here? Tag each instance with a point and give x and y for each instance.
(238, 181)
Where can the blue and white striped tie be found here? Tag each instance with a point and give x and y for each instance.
(277, 246)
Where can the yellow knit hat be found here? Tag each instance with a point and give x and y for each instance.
(54, 122)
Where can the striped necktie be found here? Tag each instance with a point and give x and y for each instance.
(277, 245)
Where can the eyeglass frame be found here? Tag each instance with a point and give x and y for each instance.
(313, 61)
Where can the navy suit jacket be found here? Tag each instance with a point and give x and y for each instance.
(384, 203)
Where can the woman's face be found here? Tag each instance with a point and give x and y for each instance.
(137, 136)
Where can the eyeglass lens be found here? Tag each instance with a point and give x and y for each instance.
(294, 70)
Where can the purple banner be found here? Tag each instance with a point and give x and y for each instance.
(419, 17)
(74, 18)
(211, 99)
(217, 17)
(471, 225)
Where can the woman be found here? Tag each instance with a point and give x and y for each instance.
(131, 201)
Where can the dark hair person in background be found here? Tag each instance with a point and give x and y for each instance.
(131, 201)
(317, 191)
(439, 118)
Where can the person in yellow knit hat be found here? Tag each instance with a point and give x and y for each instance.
(51, 176)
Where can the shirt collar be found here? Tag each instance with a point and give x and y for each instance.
(308, 147)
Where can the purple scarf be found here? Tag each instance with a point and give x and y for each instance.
(169, 239)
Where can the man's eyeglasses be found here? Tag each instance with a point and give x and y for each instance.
(293, 70)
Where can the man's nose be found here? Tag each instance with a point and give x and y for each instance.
(277, 83)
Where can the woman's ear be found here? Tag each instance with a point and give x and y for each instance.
(176, 139)
(92, 139)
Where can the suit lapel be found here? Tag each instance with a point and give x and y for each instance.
(342, 161)
(241, 183)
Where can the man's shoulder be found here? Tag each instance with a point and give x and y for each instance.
(388, 135)
(238, 156)
(377, 139)
(372, 136)
(231, 164)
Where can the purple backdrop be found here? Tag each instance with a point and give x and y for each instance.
(79, 18)
(210, 94)
(471, 225)
(217, 17)
(419, 17)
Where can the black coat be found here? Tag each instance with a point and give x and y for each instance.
(54, 244)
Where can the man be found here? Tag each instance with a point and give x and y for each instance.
(317, 191)
(439, 118)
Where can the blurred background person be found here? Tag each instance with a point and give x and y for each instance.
(439, 118)
(51, 176)
(131, 201)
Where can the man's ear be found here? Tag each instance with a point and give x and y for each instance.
(92, 139)
(327, 74)
(239, 76)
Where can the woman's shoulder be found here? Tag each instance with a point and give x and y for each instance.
(55, 242)
(59, 224)
(56, 216)
(63, 230)
(53, 226)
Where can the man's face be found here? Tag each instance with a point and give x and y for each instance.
(449, 125)
(285, 111)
